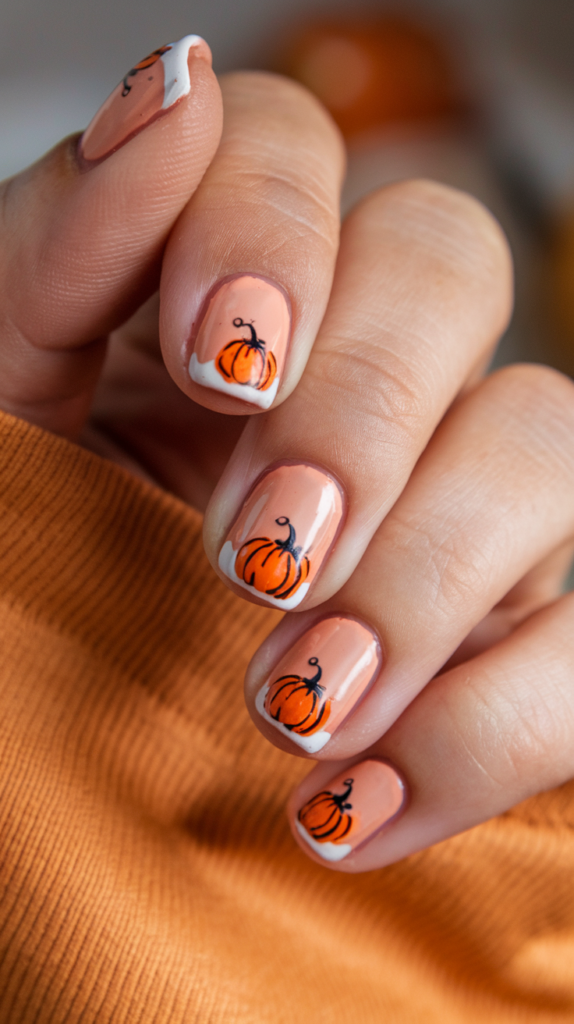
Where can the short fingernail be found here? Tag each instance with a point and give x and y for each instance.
(351, 809)
(242, 340)
(320, 680)
(149, 89)
(283, 534)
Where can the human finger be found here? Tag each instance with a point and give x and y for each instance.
(248, 272)
(489, 502)
(84, 229)
(421, 293)
(485, 736)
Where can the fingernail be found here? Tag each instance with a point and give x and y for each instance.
(320, 680)
(149, 89)
(351, 809)
(242, 340)
(283, 534)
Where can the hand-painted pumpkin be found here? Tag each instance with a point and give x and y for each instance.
(244, 361)
(273, 567)
(299, 703)
(145, 63)
(324, 817)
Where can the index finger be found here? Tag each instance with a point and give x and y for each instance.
(248, 270)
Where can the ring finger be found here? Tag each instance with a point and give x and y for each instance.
(485, 736)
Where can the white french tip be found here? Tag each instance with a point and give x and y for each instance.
(208, 376)
(328, 851)
(176, 70)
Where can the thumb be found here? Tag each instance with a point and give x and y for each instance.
(83, 230)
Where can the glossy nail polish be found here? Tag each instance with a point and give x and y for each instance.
(320, 681)
(242, 340)
(283, 534)
(351, 809)
(149, 89)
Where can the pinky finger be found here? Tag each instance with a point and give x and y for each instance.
(478, 740)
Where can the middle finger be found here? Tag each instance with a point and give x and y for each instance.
(422, 291)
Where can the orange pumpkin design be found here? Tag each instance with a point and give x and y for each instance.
(273, 567)
(145, 63)
(298, 703)
(324, 817)
(244, 361)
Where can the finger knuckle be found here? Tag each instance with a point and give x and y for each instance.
(280, 107)
(464, 224)
(450, 230)
(535, 386)
(395, 398)
(539, 403)
(279, 164)
(450, 569)
(518, 729)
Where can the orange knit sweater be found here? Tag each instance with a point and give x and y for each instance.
(147, 871)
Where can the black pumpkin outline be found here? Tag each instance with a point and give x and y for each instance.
(341, 805)
(142, 66)
(258, 344)
(312, 686)
(287, 545)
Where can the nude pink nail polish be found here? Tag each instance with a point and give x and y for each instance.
(320, 681)
(351, 809)
(283, 534)
(242, 340)
(149, 90)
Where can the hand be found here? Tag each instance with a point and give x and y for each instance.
(434, 640)
(425, 507)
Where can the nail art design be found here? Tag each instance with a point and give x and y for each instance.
(150, 89)
(245, 362)
(143, 64)
(273, 567)
(280, 569)
(324, 817)
(351, 809)
(308, 706)
(242, 340)
(299, 703)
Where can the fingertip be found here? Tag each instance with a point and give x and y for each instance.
(149, 91)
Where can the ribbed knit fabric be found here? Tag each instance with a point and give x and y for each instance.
(147, 871)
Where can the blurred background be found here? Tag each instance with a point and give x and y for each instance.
(475, 93)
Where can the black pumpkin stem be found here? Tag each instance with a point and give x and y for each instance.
(126, 85)
(312, 684)
(340, 798)
(253, 341)
(289, 544)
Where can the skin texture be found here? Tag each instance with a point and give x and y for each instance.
(458, 489)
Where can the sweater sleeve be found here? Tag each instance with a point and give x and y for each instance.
(147, 872)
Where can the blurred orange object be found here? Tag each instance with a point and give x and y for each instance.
(371, 74)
